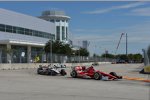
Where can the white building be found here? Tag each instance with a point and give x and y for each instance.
(22, 37)
(61, 23)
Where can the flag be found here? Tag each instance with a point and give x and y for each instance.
(37, 58)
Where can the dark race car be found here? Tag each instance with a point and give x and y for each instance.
(48, 70)
(90, 72)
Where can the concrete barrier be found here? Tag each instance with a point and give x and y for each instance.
(36, 65)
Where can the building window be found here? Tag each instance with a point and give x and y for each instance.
(20, 30)
(31, 32)
(35, 33)
(14, 29)
(3, 54)
(19, 54)
(36, 52)
(9, 28)
(27, 32)
(58, 32)
(63, 33)
(2, 27)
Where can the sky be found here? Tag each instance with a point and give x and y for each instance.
(99, 22)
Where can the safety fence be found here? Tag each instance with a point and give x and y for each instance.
(55, 58)
(59, 58)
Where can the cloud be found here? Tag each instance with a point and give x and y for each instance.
(138, 38)
(127, 6)
(140, 12)
(138, 33)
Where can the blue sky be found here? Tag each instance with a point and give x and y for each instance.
(99, 22)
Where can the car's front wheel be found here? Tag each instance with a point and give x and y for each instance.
(97, 76)
(114, 74)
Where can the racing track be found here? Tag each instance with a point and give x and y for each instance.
(27, 85)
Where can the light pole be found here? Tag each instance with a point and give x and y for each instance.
(105, 54)
(126, 44)
(79, 52)
(95, 54)
(100, 54)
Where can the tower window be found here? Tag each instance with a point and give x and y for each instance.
(58, 32)
(57, 20)
(63, 33)
(52, 20)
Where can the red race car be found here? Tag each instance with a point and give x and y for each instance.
(90, 72)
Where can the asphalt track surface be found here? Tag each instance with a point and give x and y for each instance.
(25, 84)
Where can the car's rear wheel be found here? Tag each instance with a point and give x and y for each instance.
(63, 72)
(97, 76)
(38, 71)
(73, 74)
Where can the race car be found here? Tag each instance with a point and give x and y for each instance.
(90, 72)
(53, 71)
(60, 65)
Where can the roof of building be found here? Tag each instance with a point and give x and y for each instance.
(17, 19)
(52, 14)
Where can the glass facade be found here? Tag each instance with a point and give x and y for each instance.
(36, 52)
(19, 54)
(25, 31)
(3, 54)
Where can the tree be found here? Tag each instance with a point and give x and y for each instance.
(82, 52)
(47, 46)
(58, 47)
(130, 57)
(66, 49)
(137, 57)
(107, 55)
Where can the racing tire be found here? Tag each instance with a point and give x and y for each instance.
(63, 72)
(73, 74)
(38, 71)
(97, 76)
(114, 74)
